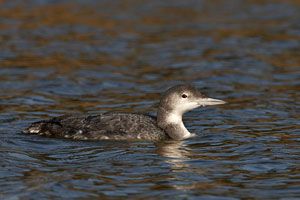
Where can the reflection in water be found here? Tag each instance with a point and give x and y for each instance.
(61, 57)
(173, 149)
(175, 153)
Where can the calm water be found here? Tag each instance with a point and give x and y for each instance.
(60, 57)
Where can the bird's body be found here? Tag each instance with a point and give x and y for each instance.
(110, 125)
(129, 126)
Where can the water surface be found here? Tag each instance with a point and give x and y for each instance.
(61, 57)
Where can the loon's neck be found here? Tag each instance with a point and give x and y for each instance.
(171, 122)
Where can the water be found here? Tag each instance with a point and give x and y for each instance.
(62, 57)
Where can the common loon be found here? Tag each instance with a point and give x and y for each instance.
(130, 126)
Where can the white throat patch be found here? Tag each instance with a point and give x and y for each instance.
(174, 118)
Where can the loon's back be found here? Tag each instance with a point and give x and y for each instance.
(115, 126)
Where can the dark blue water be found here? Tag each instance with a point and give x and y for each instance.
(59, 57)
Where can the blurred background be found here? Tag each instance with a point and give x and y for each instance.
(88, 56)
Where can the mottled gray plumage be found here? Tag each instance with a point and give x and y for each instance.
(110, 125)
(128, 126)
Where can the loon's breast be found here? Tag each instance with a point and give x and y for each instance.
(115, 126)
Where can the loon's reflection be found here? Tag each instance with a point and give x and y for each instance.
(175, 152)
(179, 156)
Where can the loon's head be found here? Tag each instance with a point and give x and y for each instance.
(175, 102)
(183, 98)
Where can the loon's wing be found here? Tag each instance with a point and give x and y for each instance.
(104, 126)
(119, 126)
(62, 126)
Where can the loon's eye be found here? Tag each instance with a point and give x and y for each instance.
(184, 96)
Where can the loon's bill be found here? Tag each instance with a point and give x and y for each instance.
(210, 102)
